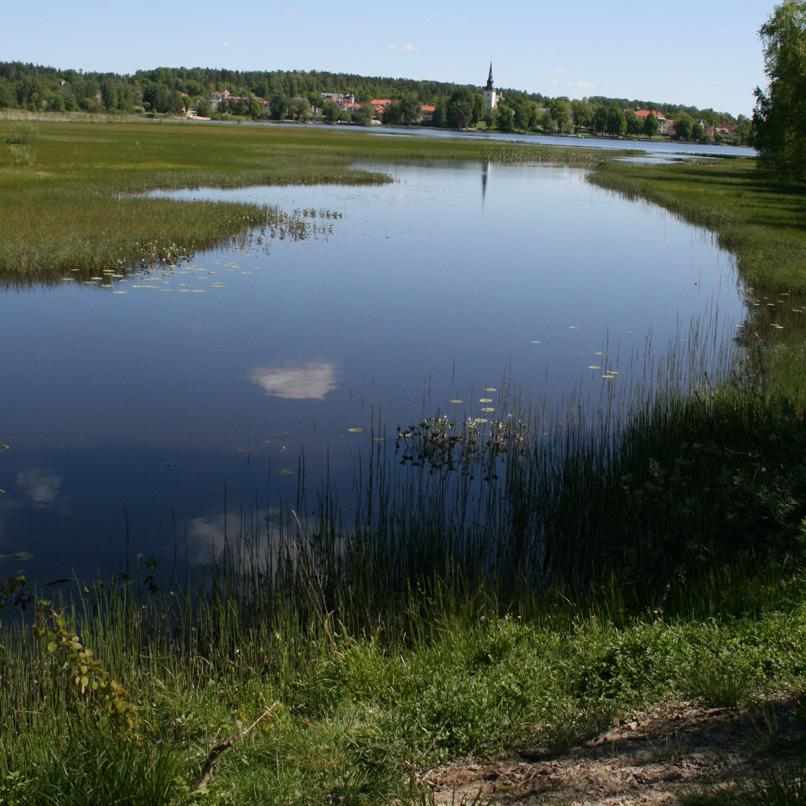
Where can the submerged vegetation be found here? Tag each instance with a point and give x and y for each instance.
(495, 584)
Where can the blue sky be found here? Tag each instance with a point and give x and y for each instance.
(705, 53)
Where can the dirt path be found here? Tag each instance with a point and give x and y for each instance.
(650, 759)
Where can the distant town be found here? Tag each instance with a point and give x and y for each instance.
(319, 97)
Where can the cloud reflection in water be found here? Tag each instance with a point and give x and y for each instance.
(309, 381)
(41, 487)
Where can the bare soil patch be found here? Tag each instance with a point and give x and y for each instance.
(650, 758)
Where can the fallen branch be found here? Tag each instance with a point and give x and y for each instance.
(216, 752)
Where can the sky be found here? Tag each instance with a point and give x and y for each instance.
(704, 53)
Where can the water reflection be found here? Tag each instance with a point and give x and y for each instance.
(132, 415)
(312, 380)
(41, 487)
(486, 170)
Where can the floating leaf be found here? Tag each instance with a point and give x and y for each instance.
(573, 327)
(485, 400)
(17, 557)
(536, 341)
(594, 366)
(487, 410)
(489, 389)
(355, 430)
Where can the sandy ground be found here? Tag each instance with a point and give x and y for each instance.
(651, 758)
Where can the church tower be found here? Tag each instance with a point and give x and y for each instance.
(491, 97)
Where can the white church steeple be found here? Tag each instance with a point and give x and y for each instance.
(491, 96)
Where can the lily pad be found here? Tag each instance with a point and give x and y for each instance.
(17, 557)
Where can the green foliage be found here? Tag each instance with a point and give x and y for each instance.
(780, 115)
(93, 687)
(651, 126)
(360, 710)
(461, 109)
(92, 766)
(505, 118)
(683, 128)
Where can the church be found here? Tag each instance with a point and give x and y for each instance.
(491, 95)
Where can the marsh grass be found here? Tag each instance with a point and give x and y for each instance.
(62, 190)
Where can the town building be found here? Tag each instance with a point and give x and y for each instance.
(665, 125)
(344, 100)
(379, 106)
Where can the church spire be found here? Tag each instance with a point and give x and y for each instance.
(490, 85)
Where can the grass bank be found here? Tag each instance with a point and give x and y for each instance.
(283, 711)
(65, 186)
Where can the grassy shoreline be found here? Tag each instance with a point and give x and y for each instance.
(366, 657)
(759, 219)
(64, 186)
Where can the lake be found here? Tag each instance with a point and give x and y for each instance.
(663, 148)
(139, 413)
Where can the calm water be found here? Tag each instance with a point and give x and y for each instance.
(130, 410)
(667, 148)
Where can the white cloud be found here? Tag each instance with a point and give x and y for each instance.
(585, 85)
(309, 381)
(225, 44)
(393, 47)
(558, 69)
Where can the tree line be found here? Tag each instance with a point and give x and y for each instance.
(780, 115)
(296, 95)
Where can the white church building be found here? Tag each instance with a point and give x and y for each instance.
(491, 95)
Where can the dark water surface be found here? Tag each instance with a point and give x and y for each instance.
(130, 409)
